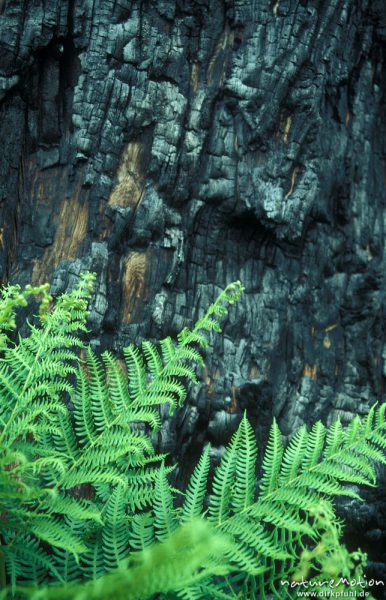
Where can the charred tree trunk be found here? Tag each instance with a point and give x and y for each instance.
(173, 146)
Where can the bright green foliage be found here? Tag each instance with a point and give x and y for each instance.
(270, 527)
(197, 488)
(85, 496)
(195, 551)
(329, 559)
(11, 298)
(77, 468)
(33, 385)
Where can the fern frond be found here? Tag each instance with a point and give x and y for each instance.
(220, 500)
(196, 490)
(147, 415)
(141, 496)
(81, 476)
(117, 384)
(345, 472)
(74, 508)
(243, 493)
(67, 565)
(272, 461)
(196, 337)
(115, 533)
(136, 370)
(80, 481)
(363, 467)
(165, 517)
(380, 417)
(84, 420)
(168, 350)
(100, 401)
(315, 443)
(142, 531)
(334, 438)
(293, 456)
(206, 590)
(51, 530)
(370, 451)
(314, 466)
(26, 559)
(243, 557)
(183, 560)
(153, 359)
(281, 515)
(324, 484)
(65, 441)
(92, 564)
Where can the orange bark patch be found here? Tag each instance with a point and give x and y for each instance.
(210, 378)
(71, 221)
(130, 178)
(326, 342)
(234, 406)
(294, 176)
(217, 59)
(310, 371)
(287, 127)
(53, 191)
(133, 284)
(254, 371)
(208, 381)
(43, 186)
(194, 77)
(284, 126)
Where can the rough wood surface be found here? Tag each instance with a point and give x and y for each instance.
(173, 146)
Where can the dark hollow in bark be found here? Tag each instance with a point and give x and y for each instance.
(173, 146)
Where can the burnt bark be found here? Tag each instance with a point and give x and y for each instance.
(173, 146)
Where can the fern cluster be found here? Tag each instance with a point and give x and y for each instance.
(76, 453)
(86, 505)
(183, 559)
(270, 526)
(34, 382)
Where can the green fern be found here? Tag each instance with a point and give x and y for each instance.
(271, 527)
(33, 385)
(84, 494)
(192, 553)
(76, 466)
(196, 490)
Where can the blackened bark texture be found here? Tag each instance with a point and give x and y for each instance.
(173, 146)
